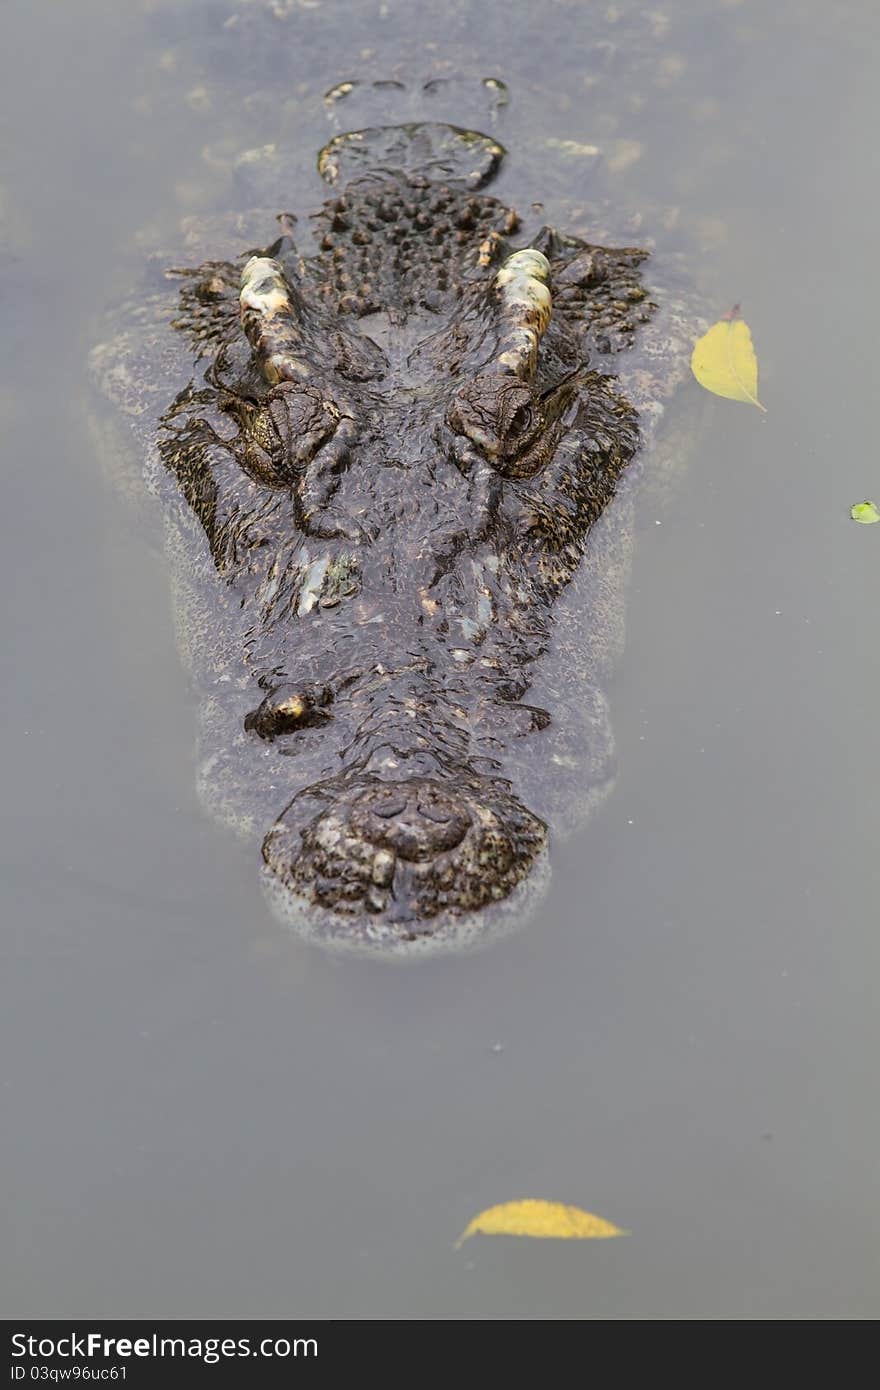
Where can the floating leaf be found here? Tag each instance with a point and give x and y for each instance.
(542, 1219)
(724, 361)
(865, 512)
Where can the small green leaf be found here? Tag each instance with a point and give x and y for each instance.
(865, 512)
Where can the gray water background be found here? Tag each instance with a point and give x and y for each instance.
(203, 1116)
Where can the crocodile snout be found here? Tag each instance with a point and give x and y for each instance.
(399, 860)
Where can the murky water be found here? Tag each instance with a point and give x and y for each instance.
(202, 1115)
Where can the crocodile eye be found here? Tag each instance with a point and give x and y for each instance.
(303, 420)
(281, 435)
(522, 420)
(258, 448)
(495, 411)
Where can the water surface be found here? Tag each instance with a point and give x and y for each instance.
(202, 1115)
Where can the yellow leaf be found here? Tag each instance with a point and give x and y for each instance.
(724, 361)
(543, 1219)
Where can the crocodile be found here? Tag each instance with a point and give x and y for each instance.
(388, 478)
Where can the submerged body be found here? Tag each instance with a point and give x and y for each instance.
(384, 481)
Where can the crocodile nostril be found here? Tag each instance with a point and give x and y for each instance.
(388, 806)
(415, 820)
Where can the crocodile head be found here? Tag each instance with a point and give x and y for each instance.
(398, 443)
